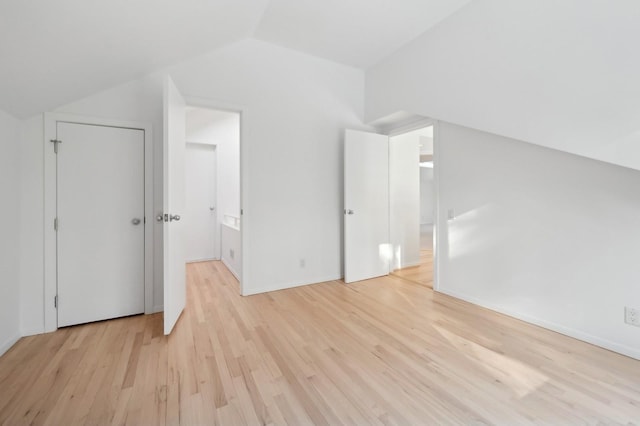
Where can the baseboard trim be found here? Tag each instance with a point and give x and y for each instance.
(158, 308)
(285, 286)
(230, 268)
(32, 332)
(6, 345)
(558, 328)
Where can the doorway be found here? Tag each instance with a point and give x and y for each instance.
(212, 168)
(412, 204)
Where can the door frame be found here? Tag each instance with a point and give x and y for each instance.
(242, 111)
(50, 206)
(217, 241)
(438, 227)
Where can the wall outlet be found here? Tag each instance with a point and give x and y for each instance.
(451, 214)
(632, 316)
(303, 263)
(231, 253)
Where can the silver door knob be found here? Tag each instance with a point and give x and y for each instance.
(135, 221)
(212, 208)
(349, 211)
(173, 217)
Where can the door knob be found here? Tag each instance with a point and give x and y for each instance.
(135, 221)
(212, 208)
(173, 217)
(349, 211)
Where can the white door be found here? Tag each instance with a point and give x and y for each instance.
(367, 251)
(100, 210)
(201, 229)
(175, 293)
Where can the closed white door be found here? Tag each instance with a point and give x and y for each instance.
(201, 229)
(175, 291)
(100, 210)
(367, 249)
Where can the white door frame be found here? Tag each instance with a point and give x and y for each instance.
(206, 103)
(50, 200)
(438, 227)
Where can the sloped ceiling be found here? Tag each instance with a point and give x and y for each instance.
(57, 51)
(563, 74)
(354, 32)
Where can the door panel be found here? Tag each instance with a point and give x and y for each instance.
(100, 248)
(366, 202)
(175, 294)
(201, 230)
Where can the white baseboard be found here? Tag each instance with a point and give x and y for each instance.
(284, 286)
(32, 332)
(202, 260)
(231, 269)
(6, 345)
(158, 308)
(567, 331)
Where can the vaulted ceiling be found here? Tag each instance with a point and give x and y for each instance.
(56, 51)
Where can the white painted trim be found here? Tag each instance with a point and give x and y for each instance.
(231, 269)
(403, 128)
(7, 344)
(31, 332)
(408, 265)
(157, 308)
(438, 227)
(201, 260)
(576, 334)
(50, 196)
(195, 101)
(286, 286)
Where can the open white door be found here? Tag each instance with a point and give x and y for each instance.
(367, 250)
(175, 294)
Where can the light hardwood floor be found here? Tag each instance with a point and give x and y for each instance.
(383, 351)
(421, 274)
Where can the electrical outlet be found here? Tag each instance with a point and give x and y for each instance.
(632, 316)
(231, 253)
(303, 263)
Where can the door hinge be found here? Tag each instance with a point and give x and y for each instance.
(55, 143)
(55, 301)
(55, 224)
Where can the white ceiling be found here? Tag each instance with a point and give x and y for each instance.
(354, 32)
(56, 51)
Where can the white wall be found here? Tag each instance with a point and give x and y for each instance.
(296, 109)
(404, 200)
(539, 234)
(231, 255)
(427, 196)
(9, 231)
(139, 101)
(562, 74)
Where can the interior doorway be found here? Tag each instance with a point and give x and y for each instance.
(212, 181)
(412, 204)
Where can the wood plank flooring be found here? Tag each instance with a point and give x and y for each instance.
(422, 273)
(383, 351)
